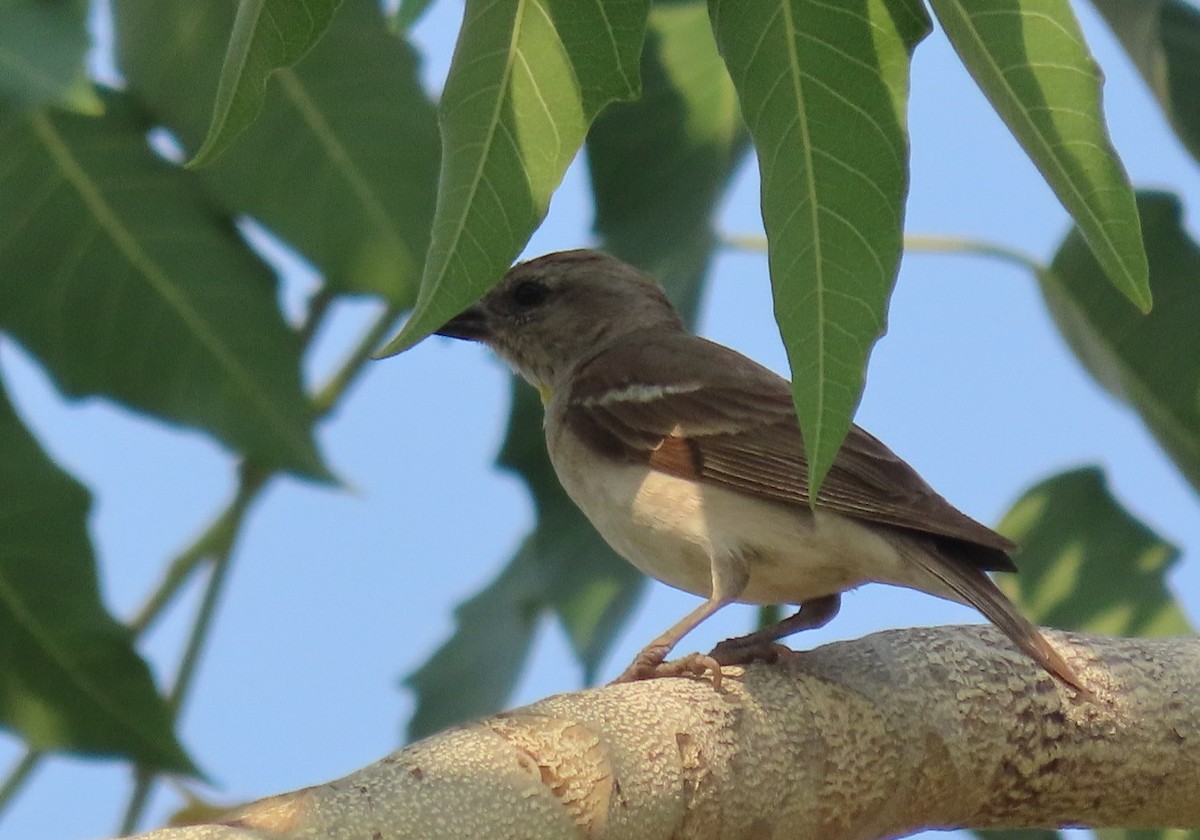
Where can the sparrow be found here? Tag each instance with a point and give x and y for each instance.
(688, 459)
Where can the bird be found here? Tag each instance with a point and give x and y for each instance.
(687, 457)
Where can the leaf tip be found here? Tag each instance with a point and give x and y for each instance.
(1136, 288)
(311, 466)
(419, 326)
(207, 154)
(1143, 300)
(404, 340)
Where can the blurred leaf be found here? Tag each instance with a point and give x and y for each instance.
(1147, 834)
(124, 282)
(1018, 834)
(474, 672)
(267, 35)
(1163, 39)
(1030, 59)
(407, 13)
(197, 810)
(1150, 362)
(1087, 564)
(810, 75)
(527, 80)
(768, 614)
(43, 55)
(659, 165)
(342, 161)
(69, 676)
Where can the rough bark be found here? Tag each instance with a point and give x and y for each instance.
(878, 737)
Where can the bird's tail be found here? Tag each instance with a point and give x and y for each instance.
(974, 587)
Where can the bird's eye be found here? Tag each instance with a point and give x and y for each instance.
(529, 293)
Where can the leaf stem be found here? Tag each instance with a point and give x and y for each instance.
(18, 776)
(331, 393)
(250, 482)
(978, 247)
(221, 530)
(318, 306)
(744, 242)
(924, 243)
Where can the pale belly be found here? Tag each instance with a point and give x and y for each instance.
(672, 529)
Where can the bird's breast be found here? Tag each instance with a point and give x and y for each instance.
(671, 528)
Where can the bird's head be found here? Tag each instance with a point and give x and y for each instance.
(551, 313)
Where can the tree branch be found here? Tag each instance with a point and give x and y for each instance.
(879, 737)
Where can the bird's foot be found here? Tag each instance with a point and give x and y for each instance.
(743, 650)
(763, 644)
(650, 664)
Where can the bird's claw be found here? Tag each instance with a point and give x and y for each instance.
(650, 664)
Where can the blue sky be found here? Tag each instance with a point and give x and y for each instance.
(336, 595)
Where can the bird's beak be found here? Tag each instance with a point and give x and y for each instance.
(471, 324)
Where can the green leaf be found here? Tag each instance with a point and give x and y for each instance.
(43, 55)
(1163, 39)
(267, 35)
(528, 78)
(659, 166)
(1030, 60)
(70, 678)
(1150, 362)
(1087, 564)
(824, 88)
(341, 162)
(119, 276)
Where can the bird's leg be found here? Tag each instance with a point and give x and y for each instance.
(650, 661)
(761, 644)
(729, 577)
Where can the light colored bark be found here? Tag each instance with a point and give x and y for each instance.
(878, 737)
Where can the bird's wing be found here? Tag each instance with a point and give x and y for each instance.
(642, 401)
